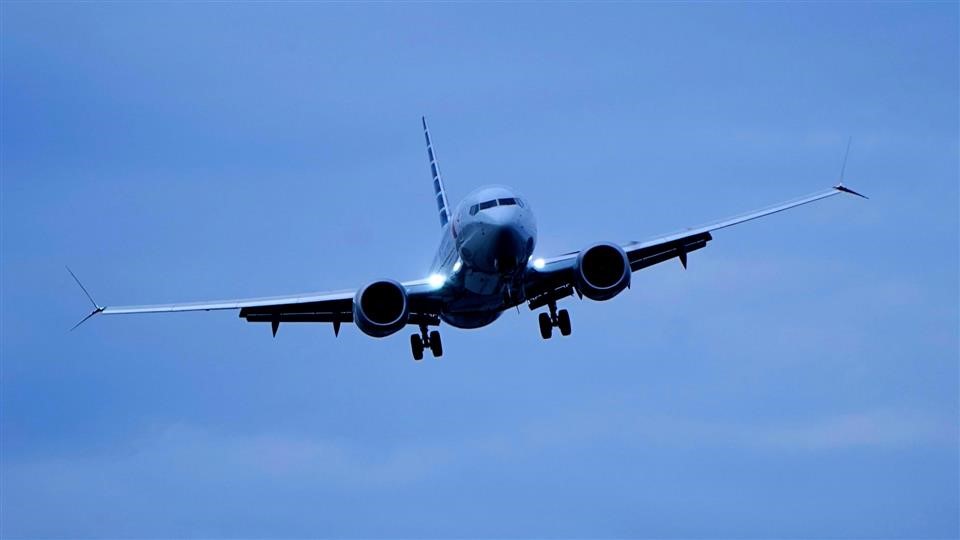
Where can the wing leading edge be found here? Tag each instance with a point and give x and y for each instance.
(311, 299)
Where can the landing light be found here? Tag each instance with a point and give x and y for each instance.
(539, 264)
(436, 280)
(457, 265)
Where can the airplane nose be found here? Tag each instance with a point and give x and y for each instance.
(509, 248)
(497, 241)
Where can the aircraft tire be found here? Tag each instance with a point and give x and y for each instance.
(436, 346)
(546, 326)
(416, 346)
(563, 322)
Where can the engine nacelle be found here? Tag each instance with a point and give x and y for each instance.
(381, 308)
(602, 271)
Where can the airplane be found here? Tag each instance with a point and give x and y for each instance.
(484, 266)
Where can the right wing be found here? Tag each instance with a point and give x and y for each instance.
(555, 273)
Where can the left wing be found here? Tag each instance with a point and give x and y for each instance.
(331, 307)
(556, 272)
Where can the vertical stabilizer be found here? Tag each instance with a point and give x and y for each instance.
(438, 190)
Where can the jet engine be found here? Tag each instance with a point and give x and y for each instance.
(602, 271)
(381, 308)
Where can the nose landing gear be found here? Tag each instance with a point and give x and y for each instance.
(425, 340)
(559, 319)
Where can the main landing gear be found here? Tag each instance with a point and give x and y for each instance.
(426, 340)
(559, 319)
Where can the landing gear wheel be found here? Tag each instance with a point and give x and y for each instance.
(546, 326)
(416, 345)
(563, 322)
(436, 346)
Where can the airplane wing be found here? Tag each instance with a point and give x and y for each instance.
(555, 273)
(331, 307)
(330, 301)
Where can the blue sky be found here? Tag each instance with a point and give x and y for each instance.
(799, 380)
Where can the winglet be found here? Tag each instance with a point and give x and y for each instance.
(843, 170)
(96, 307)
(83, 320)
(845, 189)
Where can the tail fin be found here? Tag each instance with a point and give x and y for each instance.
(438, 190)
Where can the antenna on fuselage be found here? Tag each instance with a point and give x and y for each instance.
(438, 190)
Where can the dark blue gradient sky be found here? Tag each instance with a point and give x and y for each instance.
(799, 380)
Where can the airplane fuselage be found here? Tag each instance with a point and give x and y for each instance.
(483, 256)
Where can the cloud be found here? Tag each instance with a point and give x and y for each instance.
(346, 463)
(619, 422)
(278, 456)
(183, 479)
(169, 481)
(876, 430)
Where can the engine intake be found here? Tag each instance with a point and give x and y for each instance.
(602, 271)
(381, 308)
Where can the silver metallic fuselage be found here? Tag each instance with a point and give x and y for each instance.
(483, 256)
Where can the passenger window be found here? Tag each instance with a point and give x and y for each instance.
(474, 209)
(488, 204)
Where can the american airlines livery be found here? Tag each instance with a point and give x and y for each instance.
(485, 264)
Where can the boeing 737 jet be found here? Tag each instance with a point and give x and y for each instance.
(485, 264)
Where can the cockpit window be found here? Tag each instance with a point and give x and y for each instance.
(507, 201)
